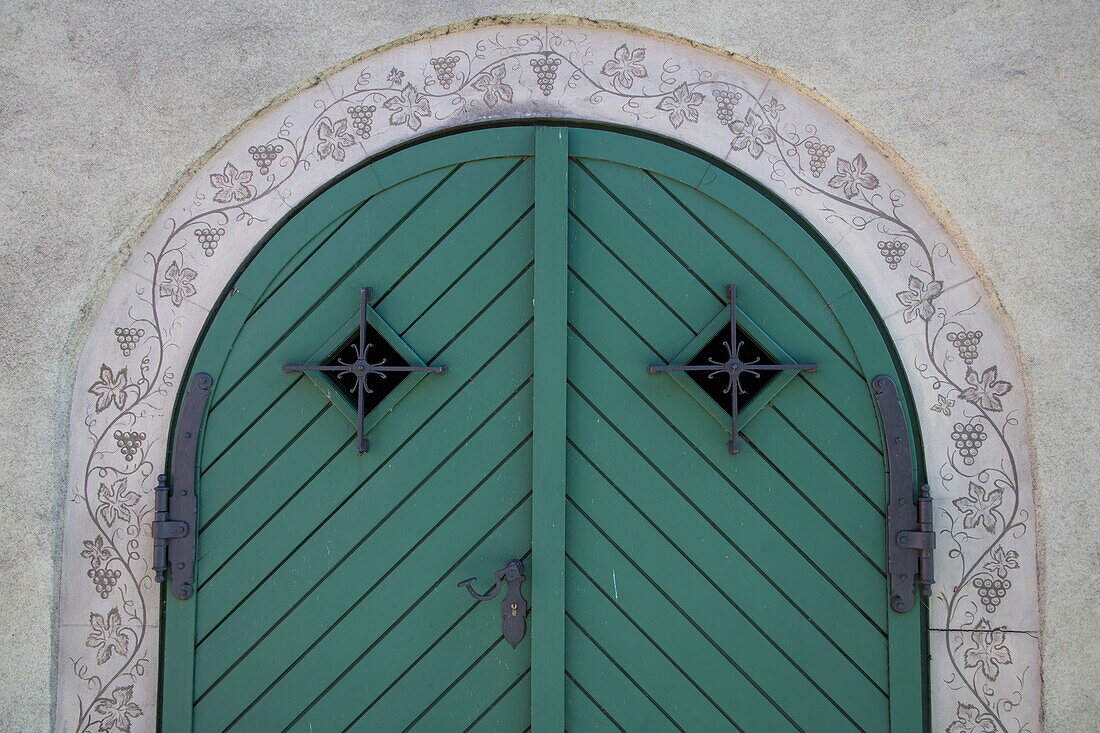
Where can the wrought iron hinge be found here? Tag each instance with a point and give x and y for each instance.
(910, 538)
(176, 503)
(922, 541)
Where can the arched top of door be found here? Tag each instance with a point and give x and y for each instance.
(952, 339)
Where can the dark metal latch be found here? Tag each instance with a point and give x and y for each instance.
(513, 609)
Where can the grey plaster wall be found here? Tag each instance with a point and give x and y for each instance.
(105, 105)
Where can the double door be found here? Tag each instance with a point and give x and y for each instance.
(670, 583)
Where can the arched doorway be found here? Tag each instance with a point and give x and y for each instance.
(955, 349)
(682, 575)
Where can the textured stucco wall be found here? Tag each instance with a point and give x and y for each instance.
(105, 106)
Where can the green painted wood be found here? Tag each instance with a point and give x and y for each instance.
(652, 502)
(672, 586)
(625, 644)
(656, 236)
(770, 501)
(323, 571)
(702, 268)
(548, 480)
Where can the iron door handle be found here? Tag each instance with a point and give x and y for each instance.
(513, 609)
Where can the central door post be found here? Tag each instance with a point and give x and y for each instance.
(548, 484)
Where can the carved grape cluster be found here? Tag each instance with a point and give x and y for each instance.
(546, 72)
(991, 591)
(967, 344)
(726, 101)
(362, 117)
(128, 339)
(819, 156)
(445, 69)
(129, 443)
(208, 238)
(104, 580)
(968, 440)
(892, 251)
(264, 156)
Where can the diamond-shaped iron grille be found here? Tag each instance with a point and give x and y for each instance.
(727, 358)
(716, 383)
(379, 352)
(354, 372)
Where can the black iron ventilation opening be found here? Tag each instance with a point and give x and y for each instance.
(716, 353)
(378, 353)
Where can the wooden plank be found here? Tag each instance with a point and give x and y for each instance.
(346, 522)
(772, 497)
(651, 667)
(324, 293)
(584, 713)
(723, 500)
(657, 614)
(604, 677)
(779, 651)
(787, 238)
(318, 645)
(548, 470)
(385, 634)
(838, 501)
(690, 532)
(467, 302)
(514, 705)
(697, 278)
(500, 669)
(177, 669)
(466, 359)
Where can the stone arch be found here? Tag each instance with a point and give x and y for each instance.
(958, 353)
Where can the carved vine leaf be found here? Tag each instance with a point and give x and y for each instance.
(985, 389)
(918, 299)
(852, 176)
(110, 388)
(407, 108)
(625, 67)
(108, 636)
(751, 134)
(118, 711)
(987, 650)
(232, 185)
(96, 551)
(116, 501)
(773, 108)
(681, 105)
(178, 284)
(1001, 561)
(968, 719)
(980, 506)
(491, 84)
(333, 137)
(943, 405)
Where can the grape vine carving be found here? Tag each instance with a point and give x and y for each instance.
(502, 75)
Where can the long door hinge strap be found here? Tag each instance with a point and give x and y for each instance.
(910, 538)
(176, 503)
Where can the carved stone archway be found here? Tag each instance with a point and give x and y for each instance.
(957, 352)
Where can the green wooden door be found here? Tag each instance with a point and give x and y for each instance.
(672, 586)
